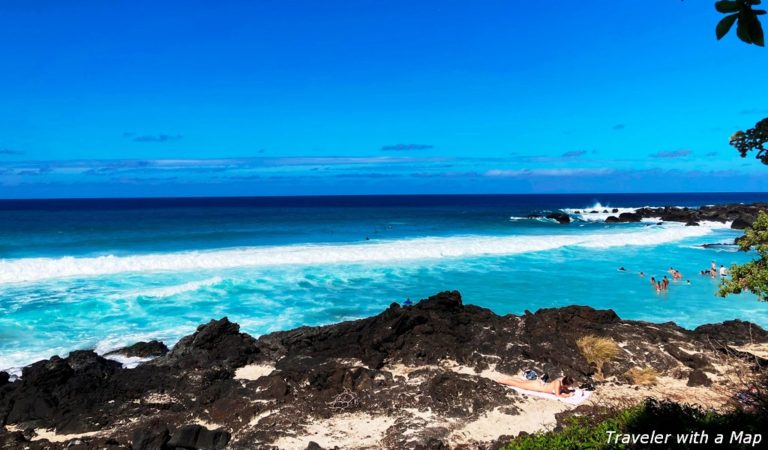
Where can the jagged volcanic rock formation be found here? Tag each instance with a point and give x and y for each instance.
(220, 388)
(742, 216)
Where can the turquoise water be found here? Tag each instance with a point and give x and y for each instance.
(103, 277)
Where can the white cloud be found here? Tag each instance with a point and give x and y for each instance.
(548, 172)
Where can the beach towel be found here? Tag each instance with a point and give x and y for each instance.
(579, 396)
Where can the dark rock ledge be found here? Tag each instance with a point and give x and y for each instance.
(190, 397)
(151, 349)
(742, 216)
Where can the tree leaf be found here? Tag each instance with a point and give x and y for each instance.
(759, 12)
(724, 26)
(726, 6)
(756, 31)
(742, 30)
(750, 26)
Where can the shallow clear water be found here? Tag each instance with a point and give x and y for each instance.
(103, 275)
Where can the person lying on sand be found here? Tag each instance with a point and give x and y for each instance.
(560, 387)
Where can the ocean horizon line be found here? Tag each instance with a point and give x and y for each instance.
(495, 194)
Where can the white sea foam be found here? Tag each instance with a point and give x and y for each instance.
(594, 213)
(35, 269)
(587, 215)
(715, 225)
(170, 291)
(13, 361)
(120, 340)
(537, 219)
(14, 372)
(128, 362)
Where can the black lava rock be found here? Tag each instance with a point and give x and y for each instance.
(629, 217)
(142, 350)
(217, 343)
(698, 378)
(198, 437)
(742, 222)
(562, 218)
(735, 332)
(152, 437)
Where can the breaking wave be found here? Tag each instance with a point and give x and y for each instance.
(35, 269)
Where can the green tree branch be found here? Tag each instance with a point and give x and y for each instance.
(752, 276)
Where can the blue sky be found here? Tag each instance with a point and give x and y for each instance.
(141, 98)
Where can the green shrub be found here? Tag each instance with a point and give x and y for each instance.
(579, 432)
(583, 432)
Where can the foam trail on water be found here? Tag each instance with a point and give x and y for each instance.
(35, 269)
(170, 291)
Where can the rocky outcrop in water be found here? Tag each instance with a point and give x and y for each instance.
(560, 217)
(742, 216)
(624, 218)
(416, 374)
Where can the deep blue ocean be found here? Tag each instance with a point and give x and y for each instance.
(100, 274)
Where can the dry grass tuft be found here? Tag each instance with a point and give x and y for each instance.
(597, 350)
(645, 376)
